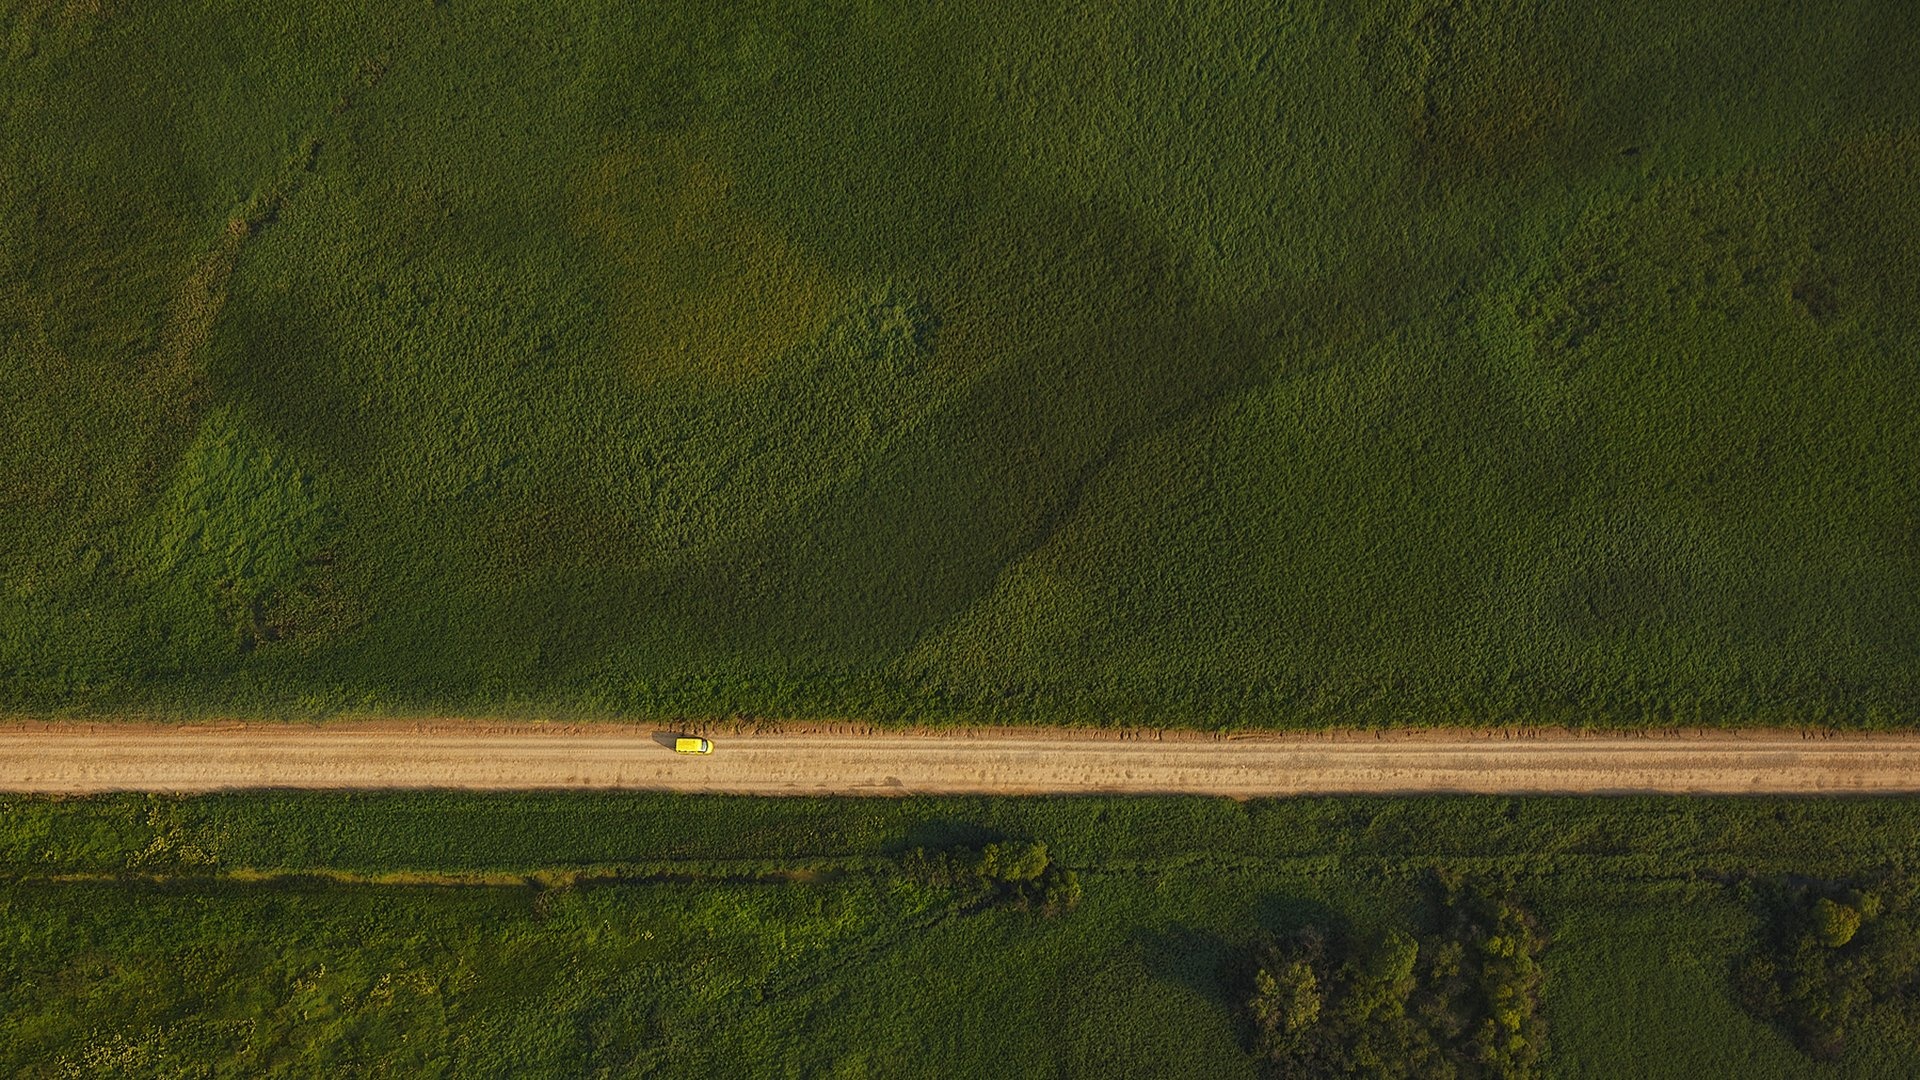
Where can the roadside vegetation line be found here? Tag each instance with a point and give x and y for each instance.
(689, 873)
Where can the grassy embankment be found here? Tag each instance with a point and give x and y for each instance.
(1209, 364)
(602, 934)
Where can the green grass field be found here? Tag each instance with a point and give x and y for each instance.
(1204, 363)
(1230, 363)
(476, 935)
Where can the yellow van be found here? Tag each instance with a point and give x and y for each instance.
(687, 745)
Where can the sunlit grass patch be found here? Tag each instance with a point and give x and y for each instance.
(700, 287)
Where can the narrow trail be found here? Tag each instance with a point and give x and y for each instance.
(79, 758)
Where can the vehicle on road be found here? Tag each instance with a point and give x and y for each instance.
(688, 745)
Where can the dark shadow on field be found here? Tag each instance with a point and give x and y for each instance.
(1209, 964)
(282, 356)
(1108, 342)
(1198, 960)
(1127, 350)
(867, 571)
(941, 835)
(1280, 914)
(666, 738)
(1098, 339)
(1073, 330)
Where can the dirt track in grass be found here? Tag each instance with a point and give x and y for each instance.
(83, 758)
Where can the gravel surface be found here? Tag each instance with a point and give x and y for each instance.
(79, 758)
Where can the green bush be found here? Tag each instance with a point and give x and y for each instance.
(1834, 924)
(1833, 958)
(1018, 873)
(1461, 1000)
(1286, 1002)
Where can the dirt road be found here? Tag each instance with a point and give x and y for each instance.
(112, 757)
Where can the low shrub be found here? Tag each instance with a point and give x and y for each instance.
(1459, 1001)
(1017, 873)
(1832, 958)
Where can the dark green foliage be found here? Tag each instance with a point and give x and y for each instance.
(1019, 873)
(1460, 1001)
(1833, 959)
(626, 934)
(1287, 998)
(1223, 364)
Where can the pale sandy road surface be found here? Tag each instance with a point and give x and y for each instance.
(81, 758)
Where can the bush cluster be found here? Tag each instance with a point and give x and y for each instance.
(1458, 1002)
(1833, 958)
(1016, 873)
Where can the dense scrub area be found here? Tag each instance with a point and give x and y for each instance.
(1837, 957)
(617, 935)
(1458, 1001)
(1211, 362)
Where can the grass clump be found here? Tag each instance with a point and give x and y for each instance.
(236, 530)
